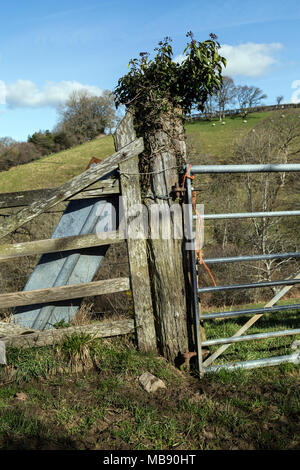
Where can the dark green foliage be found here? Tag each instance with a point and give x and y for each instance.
(43, 141)
(161, 79)
(47, 142)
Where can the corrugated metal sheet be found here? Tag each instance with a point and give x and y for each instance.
(58, 269)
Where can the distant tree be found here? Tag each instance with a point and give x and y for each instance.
(62, 141)
(17, 153)
(6, 142)
(241, 92)
(7, 150)
(111, 117)
(255, 96)
(225, 95)
(209, 106)
(248, 97)
(279, 99)
(84, 117)
(43, 141)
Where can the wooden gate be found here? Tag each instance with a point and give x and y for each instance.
(99, 181)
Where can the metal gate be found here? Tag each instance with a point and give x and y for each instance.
(255, 313)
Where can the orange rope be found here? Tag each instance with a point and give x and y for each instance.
(199, 226)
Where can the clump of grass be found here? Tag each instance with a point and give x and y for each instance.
(32, 363)
(79, 349)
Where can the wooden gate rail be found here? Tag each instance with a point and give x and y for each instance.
(26, 198)
(53, 245)
(103, 329)
(53, 294)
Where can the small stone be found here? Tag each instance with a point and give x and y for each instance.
(21, 396)
(150, 383)
(295, 345)
(3, 353)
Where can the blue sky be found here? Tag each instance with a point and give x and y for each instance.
(49, 48)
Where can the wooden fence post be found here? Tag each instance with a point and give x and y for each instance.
(167, 254)
(137, 248)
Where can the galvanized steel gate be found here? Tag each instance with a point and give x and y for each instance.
(205, 365)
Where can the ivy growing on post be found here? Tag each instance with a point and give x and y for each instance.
(161, 93)
(156, 87)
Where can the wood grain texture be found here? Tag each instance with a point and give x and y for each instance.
(138, 263)
(74, 291)
(25, 198)
(166, 259)
(137, 249)
(54, 245)
(70, 188)
(47, 338)
(124, 134)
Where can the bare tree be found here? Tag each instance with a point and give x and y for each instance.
(225, 95)
(209, 106)
(241, 92)
(255, 96)
(279, 99)
(249, 96)
(84, 116)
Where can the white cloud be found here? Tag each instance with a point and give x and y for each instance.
(26, 94)
(295, 98)
(250, 59)
(2, 93)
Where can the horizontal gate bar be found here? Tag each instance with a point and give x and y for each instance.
(269, 361)
(259, 168)
(253, 285)
(68, 292)
(237, 259)
(239, 339)
(252, 311)
(54, 245)
(248, 215)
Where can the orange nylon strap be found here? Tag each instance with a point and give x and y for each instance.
(199, 226)
(187, 175)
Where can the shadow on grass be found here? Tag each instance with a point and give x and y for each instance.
(20, 431)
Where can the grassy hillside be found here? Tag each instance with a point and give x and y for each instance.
(54, 170)
(217, 141)
(202, 138)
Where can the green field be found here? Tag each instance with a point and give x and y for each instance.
(53, 170)
(218, 141)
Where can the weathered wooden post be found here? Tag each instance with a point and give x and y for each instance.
(160, 91)
(167, 143)
(137, 249)
(165, 260)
